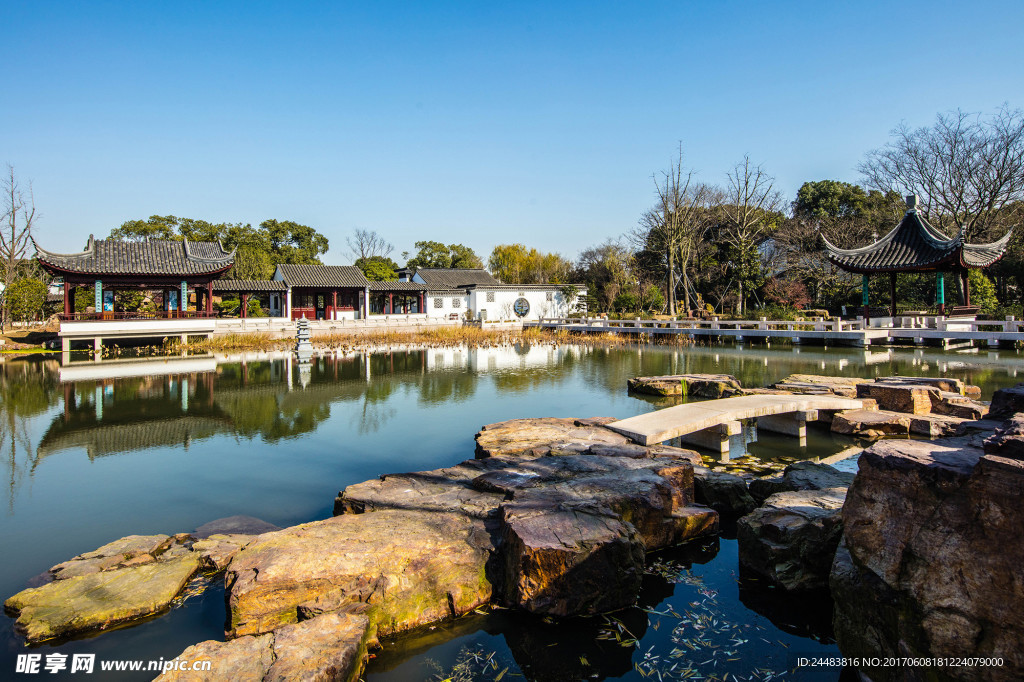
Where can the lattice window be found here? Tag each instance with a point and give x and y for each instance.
(550, 296)
(490, 297)
(456, 302)
(438, 302)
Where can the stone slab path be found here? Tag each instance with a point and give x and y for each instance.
(672, 422)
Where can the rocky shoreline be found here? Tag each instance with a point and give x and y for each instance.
(555, 517)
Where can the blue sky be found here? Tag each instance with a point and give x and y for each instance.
(472, 122)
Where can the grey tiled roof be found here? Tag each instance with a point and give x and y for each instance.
(154, 257)
(328, 276)
(244, 285)
(916, 245)
(397, 286)
(438, 279)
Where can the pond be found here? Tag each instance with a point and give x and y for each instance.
(98, 450)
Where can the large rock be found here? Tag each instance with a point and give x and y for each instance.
(899, 397)
(567, 523)
(1008, 439)
(724, 492)
(792, 538)
(544, 435)
(922, 397)
(800, 476)
(1007, 402)
(871, 423)
(327, 648)
(815, 384)
(933, 567)
(410, 567)
(691, 385)
(98, 600)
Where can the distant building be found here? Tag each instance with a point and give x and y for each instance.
(454, 291)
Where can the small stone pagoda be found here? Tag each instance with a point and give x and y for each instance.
(916, 246)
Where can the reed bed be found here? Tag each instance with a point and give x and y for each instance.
(437, 337)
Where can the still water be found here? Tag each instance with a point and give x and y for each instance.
(96, 451)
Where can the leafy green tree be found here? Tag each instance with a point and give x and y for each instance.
(378, 268)
(156, 227)
(515, 264)
(252, 263)
(431, 254)
(293, 243)
(26, 299)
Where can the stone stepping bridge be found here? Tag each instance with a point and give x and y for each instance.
(711, 423)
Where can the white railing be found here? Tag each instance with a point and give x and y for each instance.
(817, 324)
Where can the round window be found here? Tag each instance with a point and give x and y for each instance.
(521, 307)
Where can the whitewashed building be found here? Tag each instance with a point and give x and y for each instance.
(475, 294)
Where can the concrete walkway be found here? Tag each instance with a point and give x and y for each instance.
(681, 420)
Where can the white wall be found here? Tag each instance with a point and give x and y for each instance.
(501, 308)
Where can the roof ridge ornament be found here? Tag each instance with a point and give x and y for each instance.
(912, 202)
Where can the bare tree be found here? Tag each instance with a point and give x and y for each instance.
(19, 214)
(677, 225)
(751, 210)
(967, 170)
(368, 244)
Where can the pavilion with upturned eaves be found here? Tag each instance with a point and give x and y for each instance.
(916, 246)
(173, 267)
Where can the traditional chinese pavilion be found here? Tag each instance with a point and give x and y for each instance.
(916, 246)
(175, 267)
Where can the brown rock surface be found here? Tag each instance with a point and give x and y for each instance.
(1007, 402)
(792, 538)
(692, 385)
(1008, 440)
(871, 423)
(99, 600)
(411, 567)
(326, 648)
(800, 476)
(541, 436)
(566, 522)
(845, 387)
(934, 555)
(899, 397)
(724, 492)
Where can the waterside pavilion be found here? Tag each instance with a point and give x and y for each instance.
(915, 246)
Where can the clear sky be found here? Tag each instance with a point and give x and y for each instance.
(472, 122)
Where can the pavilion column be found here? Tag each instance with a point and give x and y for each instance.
(245, 305)
(366, 303)
(423, 307)
(183, 299)
(391, 304)
(940, 292)
(68, 303)
(865, 295)
(892, 294)
(209, 298)
(334, 305)
(966, 286)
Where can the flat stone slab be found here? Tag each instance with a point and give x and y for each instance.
(542, 436)
(693, 385)
(672, 422)
(816, 384)
(99, 600)
(410, 568)
(329, 647)
(800, 476)
(871, 423)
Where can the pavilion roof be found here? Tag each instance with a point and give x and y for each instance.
(247, 285)
(914, 245)
(152, 257)
(323, 276)
(392, 285)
